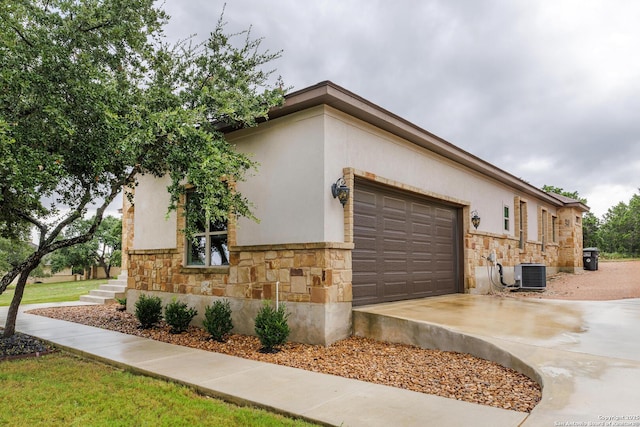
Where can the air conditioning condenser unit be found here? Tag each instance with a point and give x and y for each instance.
(530, 276)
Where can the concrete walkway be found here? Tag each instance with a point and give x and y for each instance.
(586, 354)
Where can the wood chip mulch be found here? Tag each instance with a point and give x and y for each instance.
(448, 374)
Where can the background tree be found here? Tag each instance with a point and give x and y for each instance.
(91, 97)
(102, 250)
(591, 237)
(13, 251)
(590, 223)
(620, 230)
(558, 190)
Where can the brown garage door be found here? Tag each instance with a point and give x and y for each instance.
(405, 246)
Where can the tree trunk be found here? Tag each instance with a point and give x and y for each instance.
(102, 262)
(12, 314)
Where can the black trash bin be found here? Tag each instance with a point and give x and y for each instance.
(590, 258)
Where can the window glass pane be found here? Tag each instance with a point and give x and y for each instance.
(197, 252)
(219, 250)
(218, 226)
(193, 205)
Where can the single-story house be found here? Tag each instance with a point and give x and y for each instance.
(421, 219)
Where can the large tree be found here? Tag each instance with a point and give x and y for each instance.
(91, 97)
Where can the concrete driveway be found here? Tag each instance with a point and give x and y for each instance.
(586, 354)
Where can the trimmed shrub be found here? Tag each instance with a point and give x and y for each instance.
(178, 315)
(272, 327)
(148, 310)
(217, 320)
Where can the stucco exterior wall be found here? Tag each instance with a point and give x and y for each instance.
(152, 227)
(287, 190)
(353, 143)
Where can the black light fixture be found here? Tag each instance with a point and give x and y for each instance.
(475, 219)
(340, 191)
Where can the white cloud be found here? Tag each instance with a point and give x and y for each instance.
(603, 197)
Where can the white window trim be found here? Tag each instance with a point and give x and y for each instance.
(207, 235)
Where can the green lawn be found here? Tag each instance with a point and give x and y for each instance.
(61, 389)
(36, 293)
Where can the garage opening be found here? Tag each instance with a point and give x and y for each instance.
(406, 246)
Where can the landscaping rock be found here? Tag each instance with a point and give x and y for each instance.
(448, 374)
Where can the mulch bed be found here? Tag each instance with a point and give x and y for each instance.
(20, 346)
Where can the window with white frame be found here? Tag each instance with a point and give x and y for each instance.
(208, 245)
(506, 218)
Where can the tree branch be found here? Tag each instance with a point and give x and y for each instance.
(74, 215)
(39, 225)
(24, 39)
(95, 27)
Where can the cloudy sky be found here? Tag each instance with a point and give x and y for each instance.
(548, 91)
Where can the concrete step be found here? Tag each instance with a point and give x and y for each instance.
(113, 288)
(96, 299)
(107, 293)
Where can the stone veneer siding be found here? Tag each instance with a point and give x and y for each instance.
(478, 246)
(312, 272)
(313, 280)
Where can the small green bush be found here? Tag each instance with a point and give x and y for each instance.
(178, 315)
(217, 320)
(148, 310)
(271, 327)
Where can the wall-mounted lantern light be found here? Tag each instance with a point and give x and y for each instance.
(340, 191)
(475, 219)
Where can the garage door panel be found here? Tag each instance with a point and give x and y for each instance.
(420, 209)
(405, 246)
(444, 212)
(394, 266)
(394, 226)
(365, 222)
(369, 292)
(366, 197)
(395, 286)
(393, 204)
(366, 243)
(395, 247)
(424, 231)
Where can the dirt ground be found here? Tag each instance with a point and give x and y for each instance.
(613, 280)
